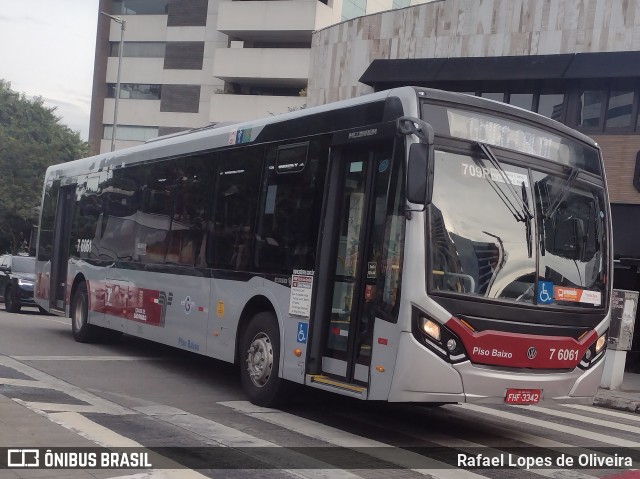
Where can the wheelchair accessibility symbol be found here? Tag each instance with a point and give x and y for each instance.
(545, 292)
(303, 329)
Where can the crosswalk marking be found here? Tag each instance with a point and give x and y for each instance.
(29, 383)
(46, 381)
(71, 417)
(230, 437)
(107, 438)
(590, 420)
(52, 407)
(464, 445)
(84, 358)
(340, 438)
(605, 439)
(606, 412)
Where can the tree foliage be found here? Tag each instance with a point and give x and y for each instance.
(31, 139)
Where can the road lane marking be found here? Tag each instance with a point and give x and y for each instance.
(53, 407)
(606, 412)
(605, 439)
(230, 437)
(587, 419)
(43, 318)
(340, 438)
(84, 358)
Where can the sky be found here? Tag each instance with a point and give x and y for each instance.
(47, 49)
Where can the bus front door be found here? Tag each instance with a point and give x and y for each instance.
(357, 222)
(60, 254)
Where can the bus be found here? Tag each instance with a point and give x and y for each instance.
(409, 245)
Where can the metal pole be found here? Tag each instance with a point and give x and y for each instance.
(117, 95)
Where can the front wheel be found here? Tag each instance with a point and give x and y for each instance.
(11, 302)
(260, 362)
(83, 332)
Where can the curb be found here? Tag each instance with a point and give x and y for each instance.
(617, 402)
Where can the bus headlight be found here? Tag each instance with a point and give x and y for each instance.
(431, 328)
(437, 337)
(595, 352)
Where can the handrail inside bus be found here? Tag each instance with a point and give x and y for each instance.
(460, 275)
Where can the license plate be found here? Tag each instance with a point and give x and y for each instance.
(523, 396)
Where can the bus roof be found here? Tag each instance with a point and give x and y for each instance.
(229, 134)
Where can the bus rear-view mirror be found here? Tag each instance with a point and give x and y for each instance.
(417, 173)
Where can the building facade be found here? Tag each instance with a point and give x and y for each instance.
(190, 63)
(576, 61)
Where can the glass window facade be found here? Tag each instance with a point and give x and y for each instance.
(522, 100)
(131, 132)
(591, 103)
(593, 106)
(619, 109)
(140, 7)
(551, 105)
(138, 49)
(353, 8)
(135, 91)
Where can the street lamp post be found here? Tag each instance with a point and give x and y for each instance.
(117, 95)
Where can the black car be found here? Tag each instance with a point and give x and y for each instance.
(17, 277)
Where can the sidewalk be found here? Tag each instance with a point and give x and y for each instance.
(23, 428)
(627, 398)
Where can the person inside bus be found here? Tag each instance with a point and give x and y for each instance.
(241, 250)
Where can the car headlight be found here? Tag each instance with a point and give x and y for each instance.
(25, 282)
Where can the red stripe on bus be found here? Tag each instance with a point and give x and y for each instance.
(122, 300)
(499, 348)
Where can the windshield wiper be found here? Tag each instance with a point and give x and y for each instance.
(562, 195)
(523, 213)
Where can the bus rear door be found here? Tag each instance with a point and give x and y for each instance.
(60, 251)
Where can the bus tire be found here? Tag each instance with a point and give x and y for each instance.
(83, 332)
(260, 362)
(11, 302)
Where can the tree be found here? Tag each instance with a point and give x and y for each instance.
(31, 139)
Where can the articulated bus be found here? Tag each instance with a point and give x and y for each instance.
(410, 245)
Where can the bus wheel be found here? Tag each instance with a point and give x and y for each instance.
(260, 362)
(11, 302)
(83, 332)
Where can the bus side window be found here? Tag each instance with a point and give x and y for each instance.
(288, 221)
(120, 202)
(191, 198)
(234, 208)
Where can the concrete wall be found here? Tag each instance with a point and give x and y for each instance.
(466, 28)
(472, 28)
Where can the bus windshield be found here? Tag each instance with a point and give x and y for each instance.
(482, 244)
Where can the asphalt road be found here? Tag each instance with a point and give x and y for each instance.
(136, 393)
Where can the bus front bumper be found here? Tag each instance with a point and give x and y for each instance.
(421, 376)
